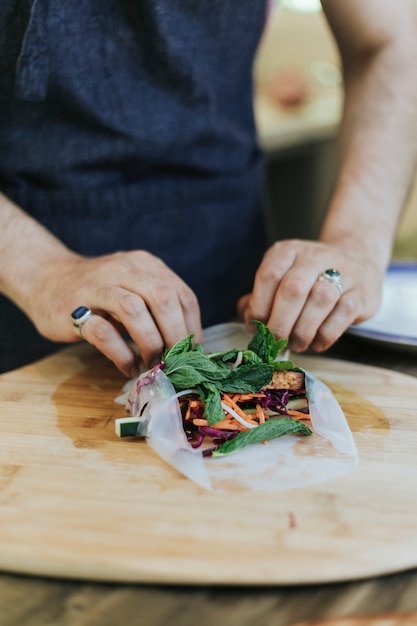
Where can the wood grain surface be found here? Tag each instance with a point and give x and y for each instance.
(78, 502)
(46, 601)
(383, 619)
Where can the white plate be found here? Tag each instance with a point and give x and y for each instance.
(395, 324)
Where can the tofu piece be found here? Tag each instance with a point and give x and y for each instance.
(286, 380)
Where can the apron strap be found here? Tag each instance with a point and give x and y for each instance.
(32, 67)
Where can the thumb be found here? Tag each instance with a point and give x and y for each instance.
(243, 306)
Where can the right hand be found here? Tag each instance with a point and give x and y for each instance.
(133, 292)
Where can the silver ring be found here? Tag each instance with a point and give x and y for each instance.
(332, 276)
(79, 317)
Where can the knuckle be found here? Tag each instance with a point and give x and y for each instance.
(325, 294)
(165, 297)
(112, 263)
(189, 298)
(285, 246)
(268, 273)
(140, 256)
(349, 306)
(130, 304)
(293, 285)
(100, 331)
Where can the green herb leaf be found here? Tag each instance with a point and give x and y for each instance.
(264, 343)
(250, 358)
(248, 378)
(224, 357)
(184, 345)
(272, 429)
(210, 395)
(189, 369)
(283, 366)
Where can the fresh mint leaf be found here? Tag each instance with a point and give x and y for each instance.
(184, 345)
(264, 343)
(189, 369)
(210, 395)
(250, 357)
(248, 378)
(272, 429)
(224, 357)
(230, 357)
(283, 366)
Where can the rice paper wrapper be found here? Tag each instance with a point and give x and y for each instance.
(285, 463)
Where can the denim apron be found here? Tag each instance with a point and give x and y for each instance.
(128, 124)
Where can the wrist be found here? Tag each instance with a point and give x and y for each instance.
(29, 253)
(369, 232)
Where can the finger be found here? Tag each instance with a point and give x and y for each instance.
(192, 316)
(175, 310)
(167, 311)
(343, 315)
(171, 303)
(321, 301)
(154, 323)
(291, 298)
(267, 281)
(131, 311)
(103, 335)
(242, 305)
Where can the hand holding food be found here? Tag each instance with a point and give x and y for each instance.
(127, 293)
(311, 292)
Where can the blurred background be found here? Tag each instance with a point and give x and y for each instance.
(298, 101)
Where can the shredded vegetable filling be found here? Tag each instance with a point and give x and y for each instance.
(242, 412)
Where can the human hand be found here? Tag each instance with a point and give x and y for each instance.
(133, 292)
(288, 297)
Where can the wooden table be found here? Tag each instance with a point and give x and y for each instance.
(30, 601)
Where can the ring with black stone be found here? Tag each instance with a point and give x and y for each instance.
(79, 317)
(332, 276)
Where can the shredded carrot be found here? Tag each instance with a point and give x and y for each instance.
(226, 424)
(260, 414)
(194, 404)
(229, 401)
(229, 424)
(188, 413)
(243, 397)
(198, 421)
(191, 406)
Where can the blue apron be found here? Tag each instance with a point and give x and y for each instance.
(128, 124)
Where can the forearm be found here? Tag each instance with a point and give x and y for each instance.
(377, 147)
(25, 248)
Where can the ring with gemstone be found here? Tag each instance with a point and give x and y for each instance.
(79, 317)
(332, 276)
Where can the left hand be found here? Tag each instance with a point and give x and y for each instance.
(288, 297)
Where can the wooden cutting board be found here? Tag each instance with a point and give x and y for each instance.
(383, 619)
(76, 501)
